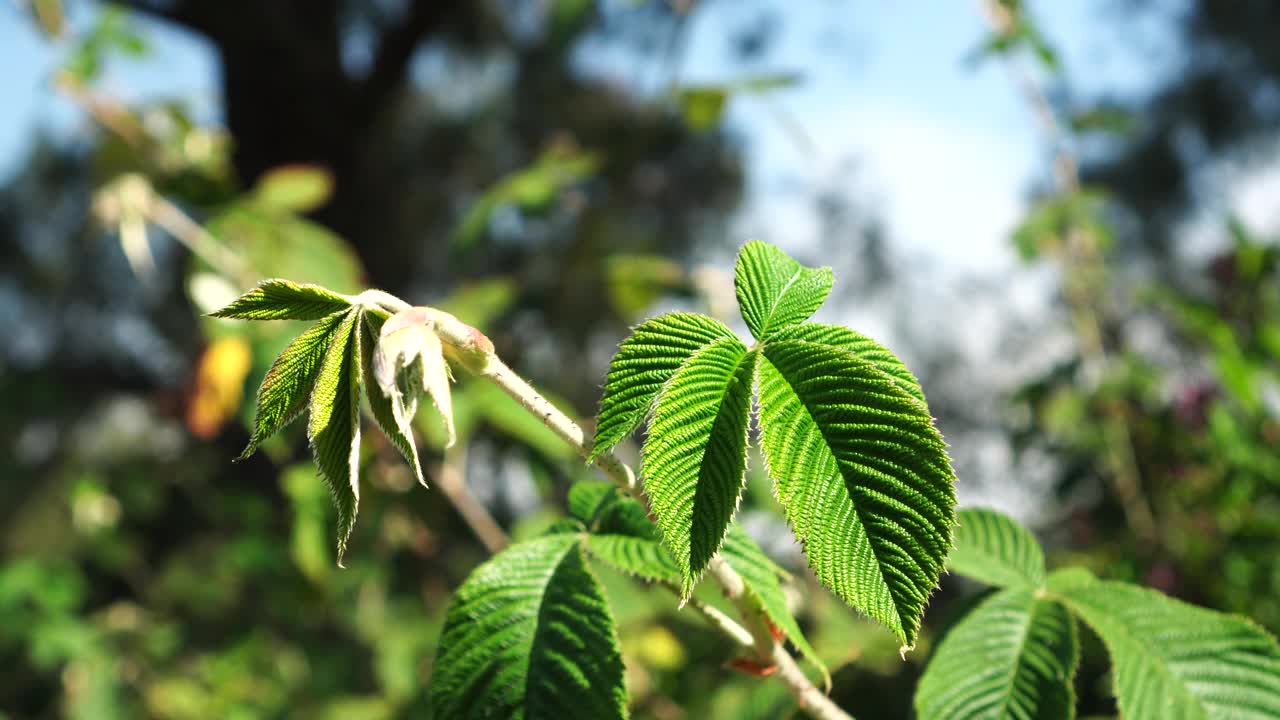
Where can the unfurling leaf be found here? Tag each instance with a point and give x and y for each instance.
(286, 389)
(1174, 660)
(1011, 658)
(284, 300)
(334, 425)
(646, 360)
(774, 291)
(695, 455)
(382, 407)
(530, 635)
(408, 362)
(992, 548)
(863, 476)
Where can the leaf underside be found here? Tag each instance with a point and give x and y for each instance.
(774, 291)
(644, 362)
(286, 388)
(1174, 661)
(695, 454)
(863, 476)
(1011, 658)
(992, 548)
(530, 635)
(284, 300)
(333, 428)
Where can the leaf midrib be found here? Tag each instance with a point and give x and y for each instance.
(839, 471)
(765, 325)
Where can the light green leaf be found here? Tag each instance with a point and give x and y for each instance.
(646, 360)
(760, 575)
(286, 389)
(395, 426)
(1013, 657)
(696, 453)
(284, 300)
(774, 291)
(992, 548)
(840, 337)
(863, 476)
(646, 559)
(1175, 661)
(334, 426)
(293, 189)
(529, 635)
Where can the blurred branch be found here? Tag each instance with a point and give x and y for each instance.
(450, 477)
(1084, 281)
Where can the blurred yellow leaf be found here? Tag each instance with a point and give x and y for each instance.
(219, 385)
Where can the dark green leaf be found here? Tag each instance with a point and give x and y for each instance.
(529, 635)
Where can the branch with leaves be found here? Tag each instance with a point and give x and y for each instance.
(859, 468)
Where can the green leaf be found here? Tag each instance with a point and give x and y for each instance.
(1014, 656)
(863, 476)
(586, 497)
(286, 389)
(1177, 661)
(334, 425)
(293, 189)
(842, 338)
(284, 300)
(695, 455)
(775, 291)
(397, 428)
(636, 556)
(992, 548)
(643, 363)
(760, 575)
(529, 635)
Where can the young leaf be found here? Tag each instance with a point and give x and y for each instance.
(395, 426)
(774, 291)
(1174, 660)
(1012, 657)
(530, 635)
(842, 338)
(284, 300)
(992, 548)
(760, 575)
(863, 476)
(696, 453)
(334, 426)
(643, 363)
(286, 388)
(636, 556)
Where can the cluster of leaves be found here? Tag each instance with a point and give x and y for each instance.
(1015, 654)
(858, 466)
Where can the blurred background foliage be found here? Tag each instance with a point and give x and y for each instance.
(144, 575)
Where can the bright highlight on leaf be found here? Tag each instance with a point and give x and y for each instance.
(863, 476)
(334, 426)
(1011, 658)
(284, 300)
(774, 291)
(529, 635)
(992, 548)
(696, 453)
(1173, 660)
